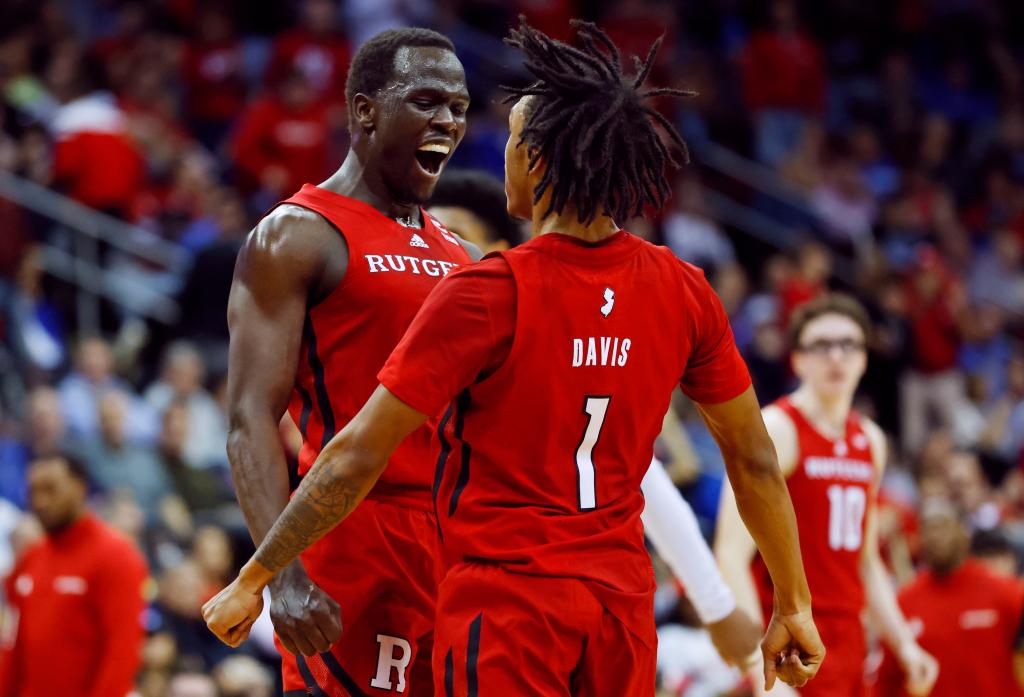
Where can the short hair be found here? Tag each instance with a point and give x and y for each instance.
(374, 64)
(76, 466)
(828, 304)
(483, 195)
(589, 123)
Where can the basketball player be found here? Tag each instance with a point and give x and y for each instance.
(833, 459)
(324, 288)
(472, 204)
(558, 359)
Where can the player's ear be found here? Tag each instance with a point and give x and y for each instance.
(364, 112)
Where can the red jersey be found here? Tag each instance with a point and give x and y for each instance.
(561, 357)
(968, 621)
(77, 600)
(833, 487)
(349, 334)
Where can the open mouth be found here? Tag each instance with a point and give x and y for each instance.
(431, 157)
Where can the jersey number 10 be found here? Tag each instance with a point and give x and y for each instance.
(847, 505)
(595, 408)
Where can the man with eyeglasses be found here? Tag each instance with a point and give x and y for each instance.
(833, 459)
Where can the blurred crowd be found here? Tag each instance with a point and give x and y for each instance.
(888, 138)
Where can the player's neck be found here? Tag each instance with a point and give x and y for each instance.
(829, 415)
(357, 181)
(567, 223)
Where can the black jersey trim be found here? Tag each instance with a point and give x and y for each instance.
(449, 674)
(473, 655)
(442, 460)
(323, 400)
(312, 688)
(341, 675)
(461, 407)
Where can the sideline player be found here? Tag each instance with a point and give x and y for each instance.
(558, 358)
(833, 459)
(324, 288)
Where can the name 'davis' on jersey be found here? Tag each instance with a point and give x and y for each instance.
(601, 350)
(380, 263)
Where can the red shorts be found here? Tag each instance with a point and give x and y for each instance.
(842, 673)
(518, 635)
(380, 565)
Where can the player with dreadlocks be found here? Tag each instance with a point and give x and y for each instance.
(557, 360)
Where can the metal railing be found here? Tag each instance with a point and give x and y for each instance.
(81, 263)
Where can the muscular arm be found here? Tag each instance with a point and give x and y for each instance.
(279, 269)
(342, 475)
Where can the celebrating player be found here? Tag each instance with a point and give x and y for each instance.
(558, 359)
(833, 459)
(324, 288)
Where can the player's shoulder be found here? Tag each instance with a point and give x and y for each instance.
(290, 234)
(876, 438)
(782, 429)
(493, 267)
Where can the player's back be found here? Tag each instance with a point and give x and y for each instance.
(542, 460)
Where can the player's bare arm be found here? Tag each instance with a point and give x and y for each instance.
(792, 648)
(342, 475)
(292, 257)
(919, 667)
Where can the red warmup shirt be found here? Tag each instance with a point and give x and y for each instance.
(77, 600)
(216, 86)
(968, 621)
(561, 357)
(297, 140)
(349, 334)
(783, 72)
(322, 60)
(834, 489)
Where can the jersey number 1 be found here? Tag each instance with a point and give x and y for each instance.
(595, 408)
(847, 505)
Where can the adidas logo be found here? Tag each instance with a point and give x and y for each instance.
(417, 241)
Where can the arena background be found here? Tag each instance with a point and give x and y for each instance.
(871, 146)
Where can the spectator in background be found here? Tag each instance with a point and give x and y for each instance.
(77, 596)
(45, 437)
(34, 326)
(95, 160)
(691, 233)
(181, 379)
(215, 87)
(284, 140)
(843, 202)
(201, 489)
(970, 490)
(316, 49)
(997, 276)
(192, 685)
(782, 70)
(472, 204)
(91, 377)
(115, 463)
(932, 386)
(968, 616)
(243, 676)
(807, 281)
(993, 549)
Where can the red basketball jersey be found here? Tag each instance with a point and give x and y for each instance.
(541, 461)
(833, 487)
(349, 334)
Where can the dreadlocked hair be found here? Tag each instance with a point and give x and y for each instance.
(591, 125)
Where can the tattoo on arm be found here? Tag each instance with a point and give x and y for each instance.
(322, 500)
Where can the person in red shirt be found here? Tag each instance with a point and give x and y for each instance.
(961, 611)
(833, 459)
(212, 68)
(324, 288)
(284, 139)
(316, 49)
(557, 360)
(76, 599)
